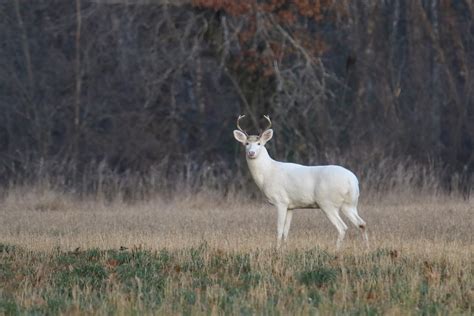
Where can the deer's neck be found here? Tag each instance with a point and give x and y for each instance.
(260, 167)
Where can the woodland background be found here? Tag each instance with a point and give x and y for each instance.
(145, 93)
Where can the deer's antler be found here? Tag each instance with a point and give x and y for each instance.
(269, 122)
(238, 125)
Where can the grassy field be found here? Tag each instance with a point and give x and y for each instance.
(206, 254)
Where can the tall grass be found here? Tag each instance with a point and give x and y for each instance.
(379, 178)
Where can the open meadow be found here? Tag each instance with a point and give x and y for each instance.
(205, 254)
(140, 141)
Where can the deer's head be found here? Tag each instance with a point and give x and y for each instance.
(253, 143)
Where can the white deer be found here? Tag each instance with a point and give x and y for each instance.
(290, 186)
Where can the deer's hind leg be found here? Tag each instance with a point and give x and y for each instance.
(332, 214)
(353, 216)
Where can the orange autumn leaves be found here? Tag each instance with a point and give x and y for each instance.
(261, 43)
(308, 8)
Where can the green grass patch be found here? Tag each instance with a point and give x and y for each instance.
(203, 279)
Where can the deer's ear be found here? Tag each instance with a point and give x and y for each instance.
(267, 135)
(240, 137)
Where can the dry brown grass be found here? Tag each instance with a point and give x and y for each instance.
(219, 256)
(44, 220)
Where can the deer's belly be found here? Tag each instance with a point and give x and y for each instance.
(303, 206)
(302, 200)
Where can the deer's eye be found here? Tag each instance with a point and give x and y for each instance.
(247, 144)
(258, 144)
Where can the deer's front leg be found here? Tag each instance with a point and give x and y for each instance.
(286, 230)
(282, 210)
